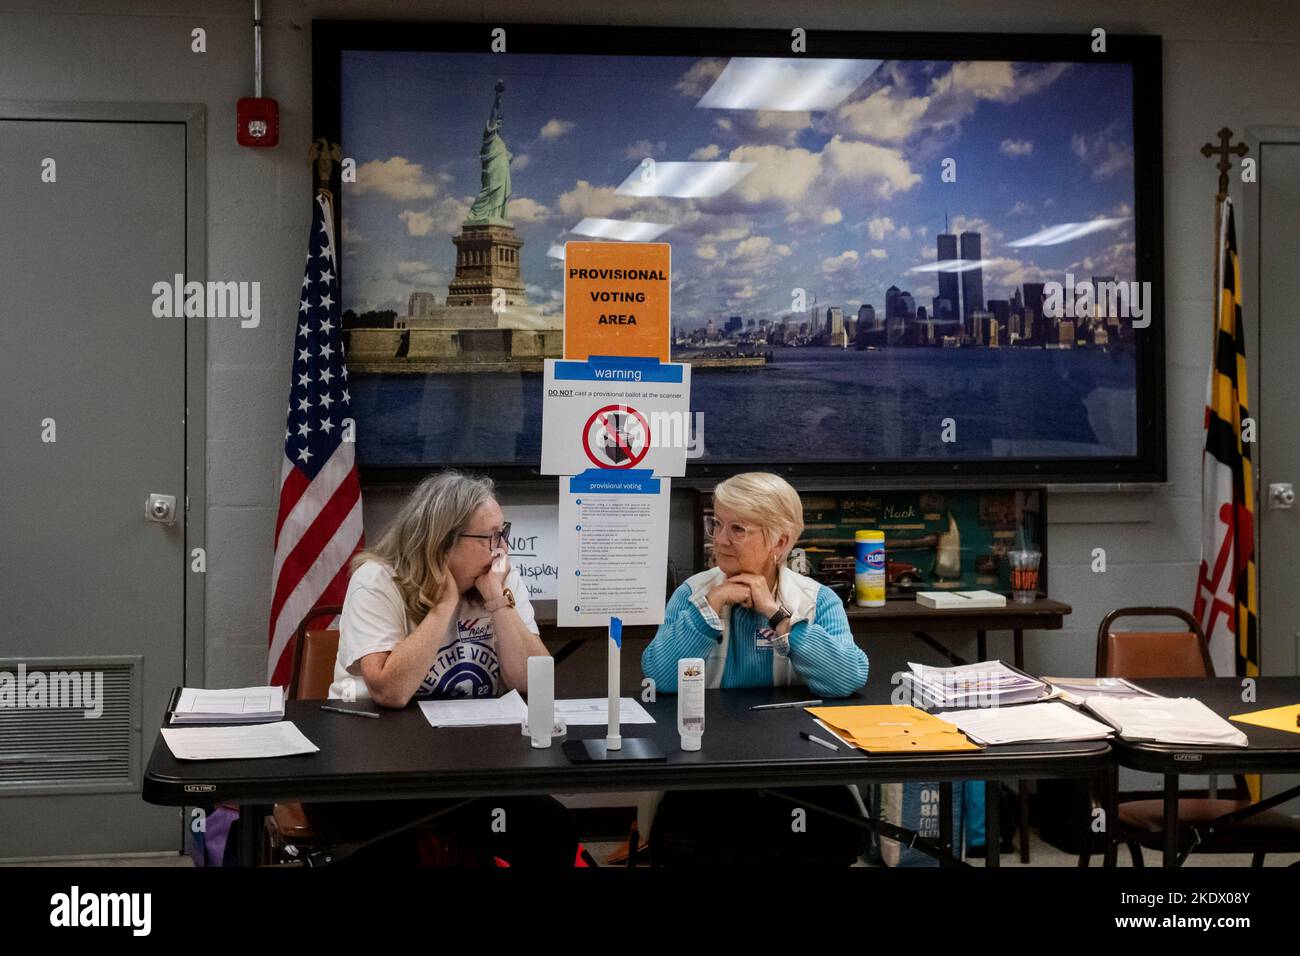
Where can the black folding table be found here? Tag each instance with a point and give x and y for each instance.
(1274, 751)
(400, 756)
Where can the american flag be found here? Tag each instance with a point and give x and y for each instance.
(318, 528)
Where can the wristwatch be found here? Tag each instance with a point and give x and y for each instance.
(782, 612)
(507, 599)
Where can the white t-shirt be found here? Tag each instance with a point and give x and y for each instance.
(374, 619)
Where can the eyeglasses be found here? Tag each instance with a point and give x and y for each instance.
(496, 537)
(736, 532)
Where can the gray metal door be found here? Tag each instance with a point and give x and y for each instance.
(1279, 334)
(1278, 248)
(94, 421)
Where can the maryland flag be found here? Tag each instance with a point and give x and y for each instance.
(1226, 589)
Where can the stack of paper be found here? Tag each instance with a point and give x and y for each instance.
(1167, 720)
(1075, 690)
(966, 600)
(890, 728)
(281, 739)
(988, 684)
(239, 705)
(1033, 723)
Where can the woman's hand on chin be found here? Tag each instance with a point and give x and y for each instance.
(761, 598)
(491, 583)
(726, 592)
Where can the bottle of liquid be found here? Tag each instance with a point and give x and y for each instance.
(690, 701)
(869, 569)
(541, 700)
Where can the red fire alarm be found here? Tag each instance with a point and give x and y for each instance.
(259, 121)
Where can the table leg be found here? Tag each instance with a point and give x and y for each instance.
(1023, 789)
(992, 823)
(1085, 853)
(945, 816)
(1111, 804)
(252, 820)
(1171, 820)
(981, 646)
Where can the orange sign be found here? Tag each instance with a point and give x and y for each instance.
(616, 299)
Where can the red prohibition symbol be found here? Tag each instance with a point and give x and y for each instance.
(615, 440)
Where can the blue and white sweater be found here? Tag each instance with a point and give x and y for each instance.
(740, 650)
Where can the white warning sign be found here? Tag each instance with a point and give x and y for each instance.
(616, 414)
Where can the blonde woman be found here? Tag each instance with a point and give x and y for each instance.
(434, 609)
(756, 623)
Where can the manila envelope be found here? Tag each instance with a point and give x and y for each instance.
(892, 728)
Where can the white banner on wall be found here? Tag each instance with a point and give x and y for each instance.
(533, 550)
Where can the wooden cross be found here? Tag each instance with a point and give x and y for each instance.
(1223, 151)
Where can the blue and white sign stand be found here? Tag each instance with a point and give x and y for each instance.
(614, 746)
(615, 430)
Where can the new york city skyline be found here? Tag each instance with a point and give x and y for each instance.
(842, 203)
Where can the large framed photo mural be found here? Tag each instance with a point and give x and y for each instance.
(880, 244)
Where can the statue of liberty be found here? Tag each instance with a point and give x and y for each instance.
(490, 204)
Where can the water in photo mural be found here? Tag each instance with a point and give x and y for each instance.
(847, 275)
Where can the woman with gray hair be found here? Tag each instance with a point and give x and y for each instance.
(434, 609)
(756, 623)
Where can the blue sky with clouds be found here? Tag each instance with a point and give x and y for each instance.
(841, 202)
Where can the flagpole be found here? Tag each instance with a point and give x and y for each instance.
(1218, 271)
(1215, 310)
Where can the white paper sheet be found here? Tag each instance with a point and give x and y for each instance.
(594, 711)
(475, 711)
(1028, 723)
(281, 739)
(234, 701)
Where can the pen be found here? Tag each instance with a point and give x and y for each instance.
(354, 713)
(793, 703)
(817, 740)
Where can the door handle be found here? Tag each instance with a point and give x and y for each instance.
(161, 508)
(1281, 495)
